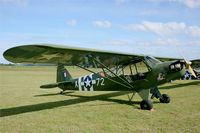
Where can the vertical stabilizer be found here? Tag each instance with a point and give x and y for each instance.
(62, 73)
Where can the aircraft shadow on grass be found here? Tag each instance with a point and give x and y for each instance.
(80, 99)
(173, 86)
(50, 105)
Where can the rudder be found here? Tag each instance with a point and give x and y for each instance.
(62, 73)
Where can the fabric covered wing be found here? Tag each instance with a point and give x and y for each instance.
(62, 54)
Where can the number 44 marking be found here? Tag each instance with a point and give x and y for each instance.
(100, 81)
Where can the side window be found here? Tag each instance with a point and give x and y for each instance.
(133, 69)
(126, 70)
(141, 67)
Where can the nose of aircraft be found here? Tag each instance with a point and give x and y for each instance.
(188, 66)
(179, 65)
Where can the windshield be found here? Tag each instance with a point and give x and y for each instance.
(151, 61)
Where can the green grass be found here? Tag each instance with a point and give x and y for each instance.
(25, 108)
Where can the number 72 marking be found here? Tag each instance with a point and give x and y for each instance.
(100, 81)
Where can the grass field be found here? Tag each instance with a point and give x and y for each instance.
(25, 108)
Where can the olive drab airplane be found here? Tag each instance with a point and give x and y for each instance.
(118, 71)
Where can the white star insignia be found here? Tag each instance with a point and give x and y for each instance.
(49, 56)
(87, 82)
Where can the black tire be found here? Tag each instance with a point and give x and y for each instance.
(165, 98)
(146, 105)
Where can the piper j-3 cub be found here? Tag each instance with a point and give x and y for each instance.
(119, 71)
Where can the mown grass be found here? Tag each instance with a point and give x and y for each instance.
(26, 108)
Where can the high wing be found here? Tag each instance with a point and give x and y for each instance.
(55, 54)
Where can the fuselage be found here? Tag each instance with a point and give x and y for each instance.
(160, 73)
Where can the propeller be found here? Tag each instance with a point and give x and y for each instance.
(188, 66)
(187, 63)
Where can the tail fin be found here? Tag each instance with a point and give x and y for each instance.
(62, 73)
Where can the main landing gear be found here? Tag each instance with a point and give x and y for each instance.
(146, 105)
(164, 98)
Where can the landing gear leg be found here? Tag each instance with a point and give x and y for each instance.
(146, 103)
(155, 93)
(164, 98)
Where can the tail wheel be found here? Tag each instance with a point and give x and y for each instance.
(146, 105)
(165, 98)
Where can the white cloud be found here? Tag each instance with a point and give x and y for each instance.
(166, 41)
(72, 22)
(194, 31)
(165, 29)
(188, 3)
(170, 47)
(102, 24)
(191, 3)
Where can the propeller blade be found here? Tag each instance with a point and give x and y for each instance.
(188, 64)
(192, 71)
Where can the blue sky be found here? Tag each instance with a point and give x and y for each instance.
(153, 27)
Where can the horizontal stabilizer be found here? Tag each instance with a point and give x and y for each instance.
(48, 86)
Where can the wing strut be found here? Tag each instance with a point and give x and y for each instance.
(113, 73)
(130, 98)
(124, 83)
(105, 77)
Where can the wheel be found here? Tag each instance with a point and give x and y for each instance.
(165, 98)
(146, 105)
